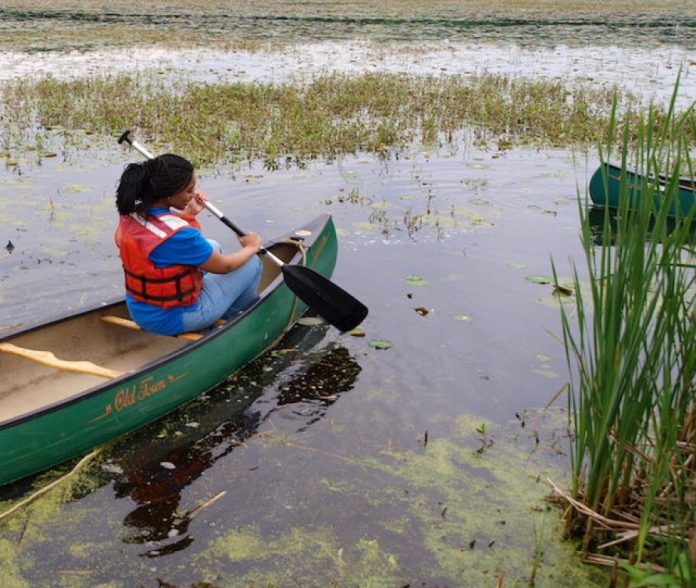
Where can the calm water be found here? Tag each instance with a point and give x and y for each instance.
(342, 464)
(346, 489)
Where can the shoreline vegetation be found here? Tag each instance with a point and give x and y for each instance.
(68, 25)
(404, 9)
(632, 361)
(228, 124)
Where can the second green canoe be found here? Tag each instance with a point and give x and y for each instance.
(610, 184)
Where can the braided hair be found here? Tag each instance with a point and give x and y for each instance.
(143, 183)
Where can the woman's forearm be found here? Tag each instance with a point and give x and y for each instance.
(219, 263)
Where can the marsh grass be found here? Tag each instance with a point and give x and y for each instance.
(329, 116)
(631, 352)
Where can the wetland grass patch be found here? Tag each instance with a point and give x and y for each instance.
(219, 124)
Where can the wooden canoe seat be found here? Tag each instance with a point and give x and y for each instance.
(129, 324)
(49, 359)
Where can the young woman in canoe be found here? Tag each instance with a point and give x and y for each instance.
(176, 279)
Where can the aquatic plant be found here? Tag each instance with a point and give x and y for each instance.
(631, 352)
(327, 117)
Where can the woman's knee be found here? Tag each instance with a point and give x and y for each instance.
(252, 269)
(257, 265)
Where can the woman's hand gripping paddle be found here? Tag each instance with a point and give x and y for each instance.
(336, 306)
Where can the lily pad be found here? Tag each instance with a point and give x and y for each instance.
(550, 374)
(381, 344)
(539, 279)
(417, 281)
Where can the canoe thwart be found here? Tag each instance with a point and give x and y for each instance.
(49, 359)
(129, 324)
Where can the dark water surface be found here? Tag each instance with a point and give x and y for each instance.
(341, 462)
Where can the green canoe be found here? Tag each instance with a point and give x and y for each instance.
(606, 190)
(85, 379)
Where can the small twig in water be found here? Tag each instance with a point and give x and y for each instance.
(53, 484)
(206, 504)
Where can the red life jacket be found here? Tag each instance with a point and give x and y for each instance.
(136, 237)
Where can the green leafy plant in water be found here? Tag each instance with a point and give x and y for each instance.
(330, 116)
(631, 353)
(682, 575)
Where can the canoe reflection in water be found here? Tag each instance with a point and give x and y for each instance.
(598, 215)
(155, 476)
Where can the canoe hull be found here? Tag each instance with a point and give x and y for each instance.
(606, 190)
(53, 434)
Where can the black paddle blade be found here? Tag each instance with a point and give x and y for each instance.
(328, 300)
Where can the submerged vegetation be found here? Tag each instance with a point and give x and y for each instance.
(330, 116)
(632, 355)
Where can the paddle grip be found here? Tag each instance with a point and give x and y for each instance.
(125, 137)
(218, 213)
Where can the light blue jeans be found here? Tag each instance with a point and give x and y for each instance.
(225, 295)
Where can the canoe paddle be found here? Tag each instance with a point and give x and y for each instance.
(336, 306)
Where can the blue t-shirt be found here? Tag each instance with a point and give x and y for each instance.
(185, 247)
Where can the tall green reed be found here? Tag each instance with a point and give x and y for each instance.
(631, 352)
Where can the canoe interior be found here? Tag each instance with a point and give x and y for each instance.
(27, 386)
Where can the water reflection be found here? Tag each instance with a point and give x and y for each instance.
(599, 215)
(319, 384)
(155, 476)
